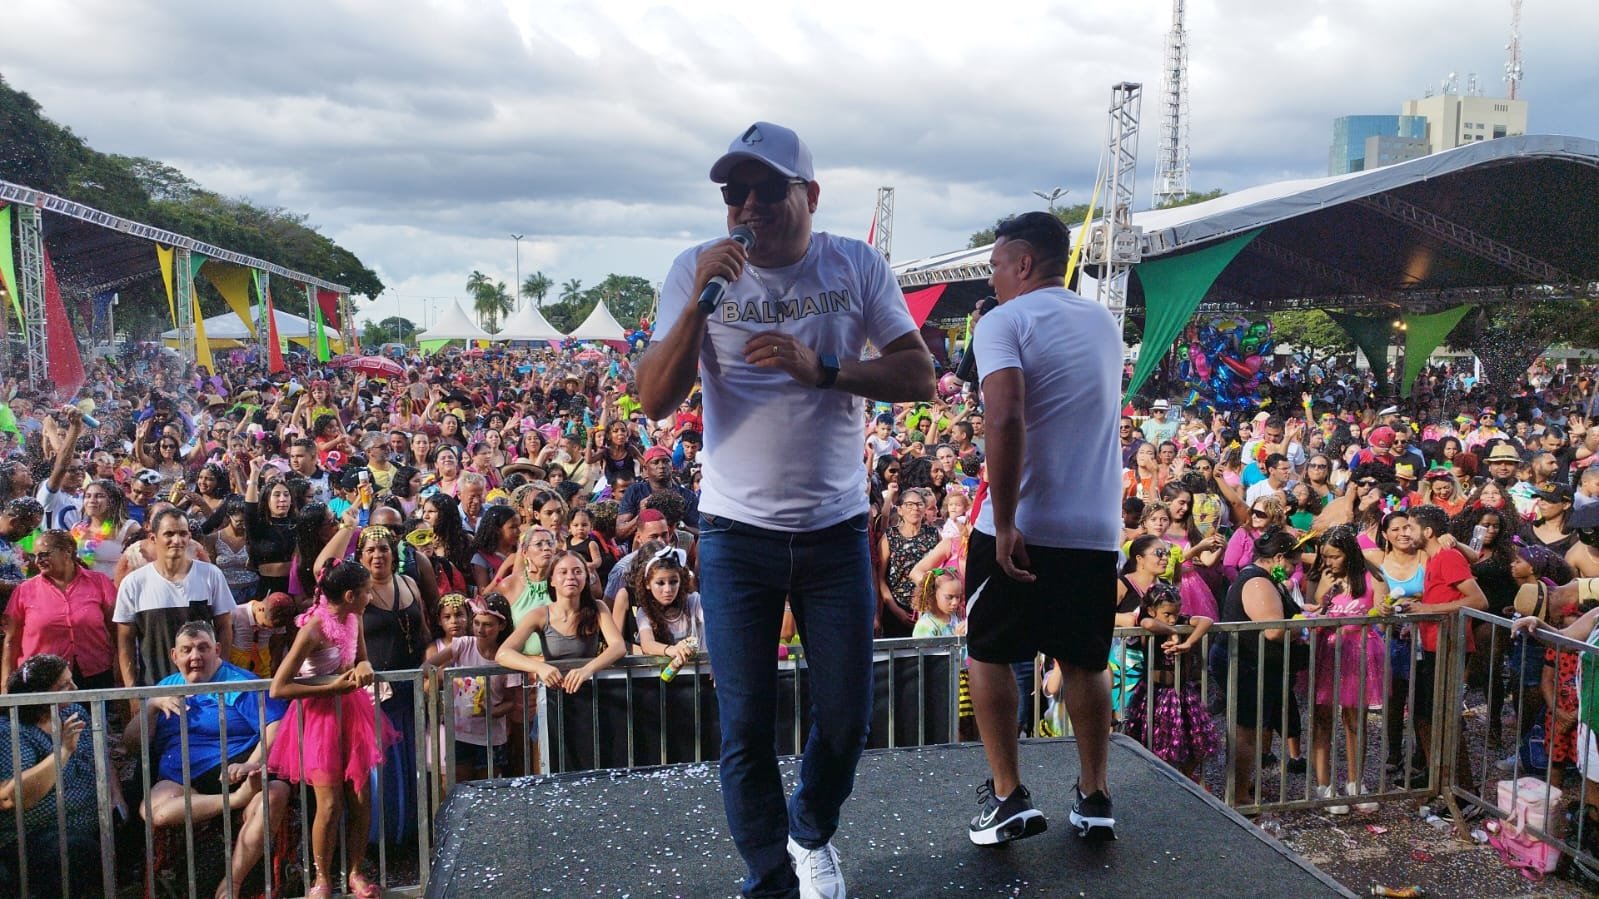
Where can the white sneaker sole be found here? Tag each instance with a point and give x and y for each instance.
(1021, 825)
(1094, 828)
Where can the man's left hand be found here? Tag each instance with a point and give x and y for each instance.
(775, 349)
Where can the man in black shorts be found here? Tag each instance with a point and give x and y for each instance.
(1041, 568)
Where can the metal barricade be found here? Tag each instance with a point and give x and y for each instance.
(1237, 688)
(1534, 667)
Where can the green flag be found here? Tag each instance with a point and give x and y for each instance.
(1423, 333)
(1173, 287)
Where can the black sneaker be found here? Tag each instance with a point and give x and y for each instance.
(1268, 759)
(1467, 811)
(1092, 815)
(1296, 764)
(1001, 821)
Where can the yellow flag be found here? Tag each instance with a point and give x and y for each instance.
(233, 282)
(165, 254)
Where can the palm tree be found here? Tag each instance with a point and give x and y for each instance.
(535, 286)
(479, 287)
(500, 305)
(570, 290)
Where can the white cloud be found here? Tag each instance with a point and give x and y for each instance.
(421, 134)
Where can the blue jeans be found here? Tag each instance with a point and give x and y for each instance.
(746, 572)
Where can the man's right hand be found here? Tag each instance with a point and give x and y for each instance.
(725, 258)
(1010, 551)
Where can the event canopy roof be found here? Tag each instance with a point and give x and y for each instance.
(528, 323)
(1493, 220)
(600, 325)
(228, 329)
(454, 324)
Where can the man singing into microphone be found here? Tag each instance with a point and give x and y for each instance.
(776, 333)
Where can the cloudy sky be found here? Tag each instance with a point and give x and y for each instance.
(422, 134)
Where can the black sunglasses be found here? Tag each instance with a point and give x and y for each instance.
(767, 192)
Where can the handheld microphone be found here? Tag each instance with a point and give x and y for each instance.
(967, 369)
(712, 294)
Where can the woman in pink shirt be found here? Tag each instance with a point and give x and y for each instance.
(64, 610)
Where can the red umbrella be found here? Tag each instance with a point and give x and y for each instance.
(373, 366)
(590, 356)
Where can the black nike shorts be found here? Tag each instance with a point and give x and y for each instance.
(1068, 613)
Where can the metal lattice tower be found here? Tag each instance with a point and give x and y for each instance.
(183, 296)
(883, 220)
(1115, 244)
(30, 255)
(1171, 171)
(1513, 55)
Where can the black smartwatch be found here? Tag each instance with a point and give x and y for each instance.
(829, 371)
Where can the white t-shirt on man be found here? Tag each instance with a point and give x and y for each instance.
(1069, 351)
(780, 454)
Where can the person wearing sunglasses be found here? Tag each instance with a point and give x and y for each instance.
(777, 339)
(65, 609)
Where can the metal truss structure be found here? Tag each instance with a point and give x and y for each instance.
(883, 221)
(1466, 239)
(1115, 242)
(32, 204)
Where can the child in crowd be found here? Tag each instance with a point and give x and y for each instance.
(260, 628)
(957, 502)
(940, 604)
(329, 737)
(455, 620)
(670, 620)
(580, 537)
(481, 702)
(1180, 730)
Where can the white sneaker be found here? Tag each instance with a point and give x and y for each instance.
(1356, 790)
(818, 871)
(1326, 792)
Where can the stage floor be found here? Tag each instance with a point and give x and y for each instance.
(660, 832)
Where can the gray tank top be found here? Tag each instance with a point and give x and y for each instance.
(558, 646)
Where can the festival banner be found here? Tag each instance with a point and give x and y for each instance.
(1423, 334)
(202, 346)
(322, 353)
(65, 365)
(328, 302)
(165, 255)
(275, 362)
(1372, 335)
(8, 267)
(233, 282)
(921, 302)
(1173, 287)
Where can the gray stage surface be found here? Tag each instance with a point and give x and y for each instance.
(660, 832)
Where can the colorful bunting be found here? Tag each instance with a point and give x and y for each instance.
(8, 266)
(233, 282)
(202, 346)
(66, 366)
(165, 255)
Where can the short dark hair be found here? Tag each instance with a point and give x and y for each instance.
(1275, 541)
(1275, 459)
(1047, 235)
(1431, 518)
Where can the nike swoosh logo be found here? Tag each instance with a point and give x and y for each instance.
(987, 817)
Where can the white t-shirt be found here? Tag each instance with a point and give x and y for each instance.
(1069, 351)
(61, 509)
(780, 454)
(157, 608)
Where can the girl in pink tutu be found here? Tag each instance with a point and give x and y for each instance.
(331, 738)
(1181, 731)
(1349, 659)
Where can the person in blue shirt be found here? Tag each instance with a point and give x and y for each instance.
(252, 722)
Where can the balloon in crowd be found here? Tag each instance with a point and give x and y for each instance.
(1222, 362)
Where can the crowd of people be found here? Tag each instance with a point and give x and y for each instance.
(520, 508)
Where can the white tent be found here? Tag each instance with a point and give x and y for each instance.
(454, 324)
(600, 325)
(229, 327)
(528, 324)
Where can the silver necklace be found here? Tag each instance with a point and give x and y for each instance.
(799, 271)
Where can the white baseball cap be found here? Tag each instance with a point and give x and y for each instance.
(769, 144)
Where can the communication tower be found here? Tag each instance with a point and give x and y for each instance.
(1513, 55)
(1171, 171)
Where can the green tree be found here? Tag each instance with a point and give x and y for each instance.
(398, 329)
(1312, 332)
(570, 290)
(490, 300)
(536, 286)
(42, 154)
(1071, 215)
(1193, 198)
